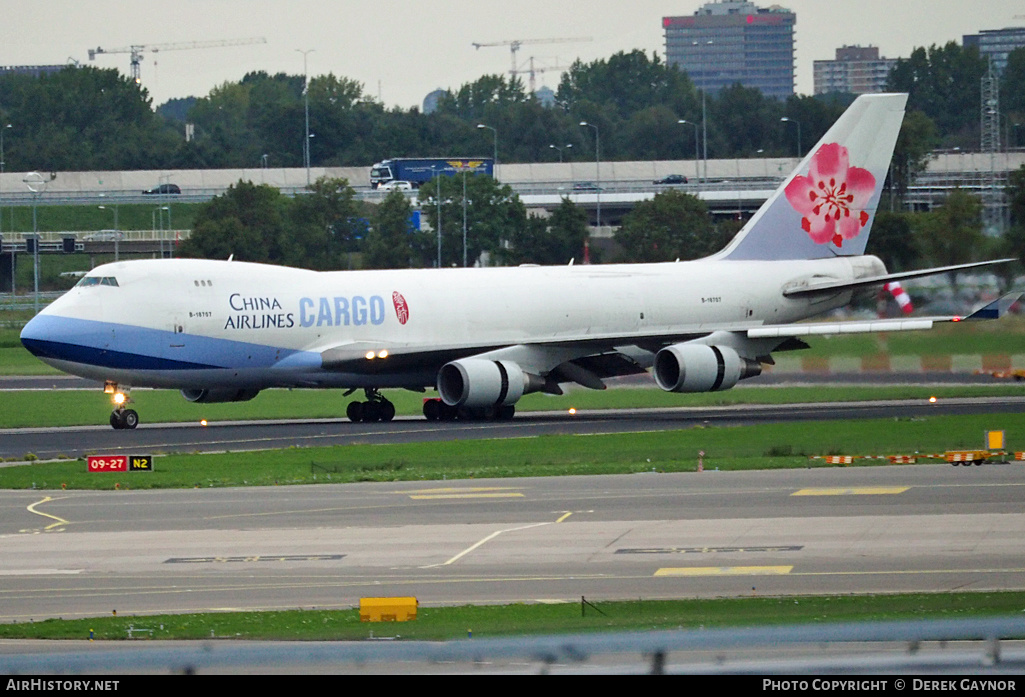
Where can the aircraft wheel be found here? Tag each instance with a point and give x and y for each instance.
(432, 410)
(387, 410)
(354, 411)
(130, 418)
(371, 412)
(115, 420)
(506, 413)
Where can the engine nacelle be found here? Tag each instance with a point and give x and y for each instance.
(222, 395)
(478, 382)
(701, 368)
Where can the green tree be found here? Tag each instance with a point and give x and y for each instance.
(911, 155)
(81, 119)
(246, 222)
(556, 240)
(893, 241)
(952, 233)
(672, 225)
(327, 226)
(943, 82)
(494, 213)
(387, 245)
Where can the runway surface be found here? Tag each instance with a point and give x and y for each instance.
(844, 530)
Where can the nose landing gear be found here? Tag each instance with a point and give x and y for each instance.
(121, 418)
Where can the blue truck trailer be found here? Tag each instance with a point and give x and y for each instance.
(419, 170)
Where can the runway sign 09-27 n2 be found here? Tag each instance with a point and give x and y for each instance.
(120, 463)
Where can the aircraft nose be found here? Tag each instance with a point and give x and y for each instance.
(46, 336)
(35, 335)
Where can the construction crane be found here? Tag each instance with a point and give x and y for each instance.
(514, 46)
(532, 71)
(136, 50)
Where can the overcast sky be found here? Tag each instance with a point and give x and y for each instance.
(400, 51)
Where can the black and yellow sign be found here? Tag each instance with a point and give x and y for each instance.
(140, 463)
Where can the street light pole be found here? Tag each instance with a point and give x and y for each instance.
(117, 234)
(697, 173)
(495, 131)
(439, 215)
(597, 168)
(306, 108)
(464, 217)
(4, 127)
(787, 119)
(556, 147)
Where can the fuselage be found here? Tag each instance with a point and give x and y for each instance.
(190, 324)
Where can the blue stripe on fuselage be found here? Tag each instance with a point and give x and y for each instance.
(129, 347)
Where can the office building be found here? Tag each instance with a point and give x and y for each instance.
(996, 44)
(729, 42)
(856, 70)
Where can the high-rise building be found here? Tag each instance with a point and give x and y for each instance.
(857, 70)
(732, 41)
(996, 44)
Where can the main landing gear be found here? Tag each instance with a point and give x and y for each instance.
(376, 408)
(437, 410)
(121, 418)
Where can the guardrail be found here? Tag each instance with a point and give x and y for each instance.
(893, 647)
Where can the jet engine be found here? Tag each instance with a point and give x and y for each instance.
(478, 382)
(701, 368)
(221, 395)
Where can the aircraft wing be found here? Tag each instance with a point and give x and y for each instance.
(993, 310)
(809, 287)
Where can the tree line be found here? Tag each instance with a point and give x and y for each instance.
(86, 118)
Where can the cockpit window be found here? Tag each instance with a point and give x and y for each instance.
(97, 281)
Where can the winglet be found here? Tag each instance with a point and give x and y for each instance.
(996, 309)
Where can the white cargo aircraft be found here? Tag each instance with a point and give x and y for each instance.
(221, 331)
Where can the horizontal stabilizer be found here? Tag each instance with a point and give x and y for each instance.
(996, 309)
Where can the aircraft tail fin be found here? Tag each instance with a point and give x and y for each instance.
(827, 205)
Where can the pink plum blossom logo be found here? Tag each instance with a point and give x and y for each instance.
(401, 307)
(832, 198)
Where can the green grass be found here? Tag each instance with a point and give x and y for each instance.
(130, 216)
(89, 407)
(449, 623)
(769, 446)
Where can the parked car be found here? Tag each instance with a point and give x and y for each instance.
(164, 189)
(395, 185)
(672, 179)
(103, 236)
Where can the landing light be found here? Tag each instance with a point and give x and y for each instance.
(119, 398)
(371, 355)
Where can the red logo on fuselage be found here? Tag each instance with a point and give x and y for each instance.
(401, 308)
